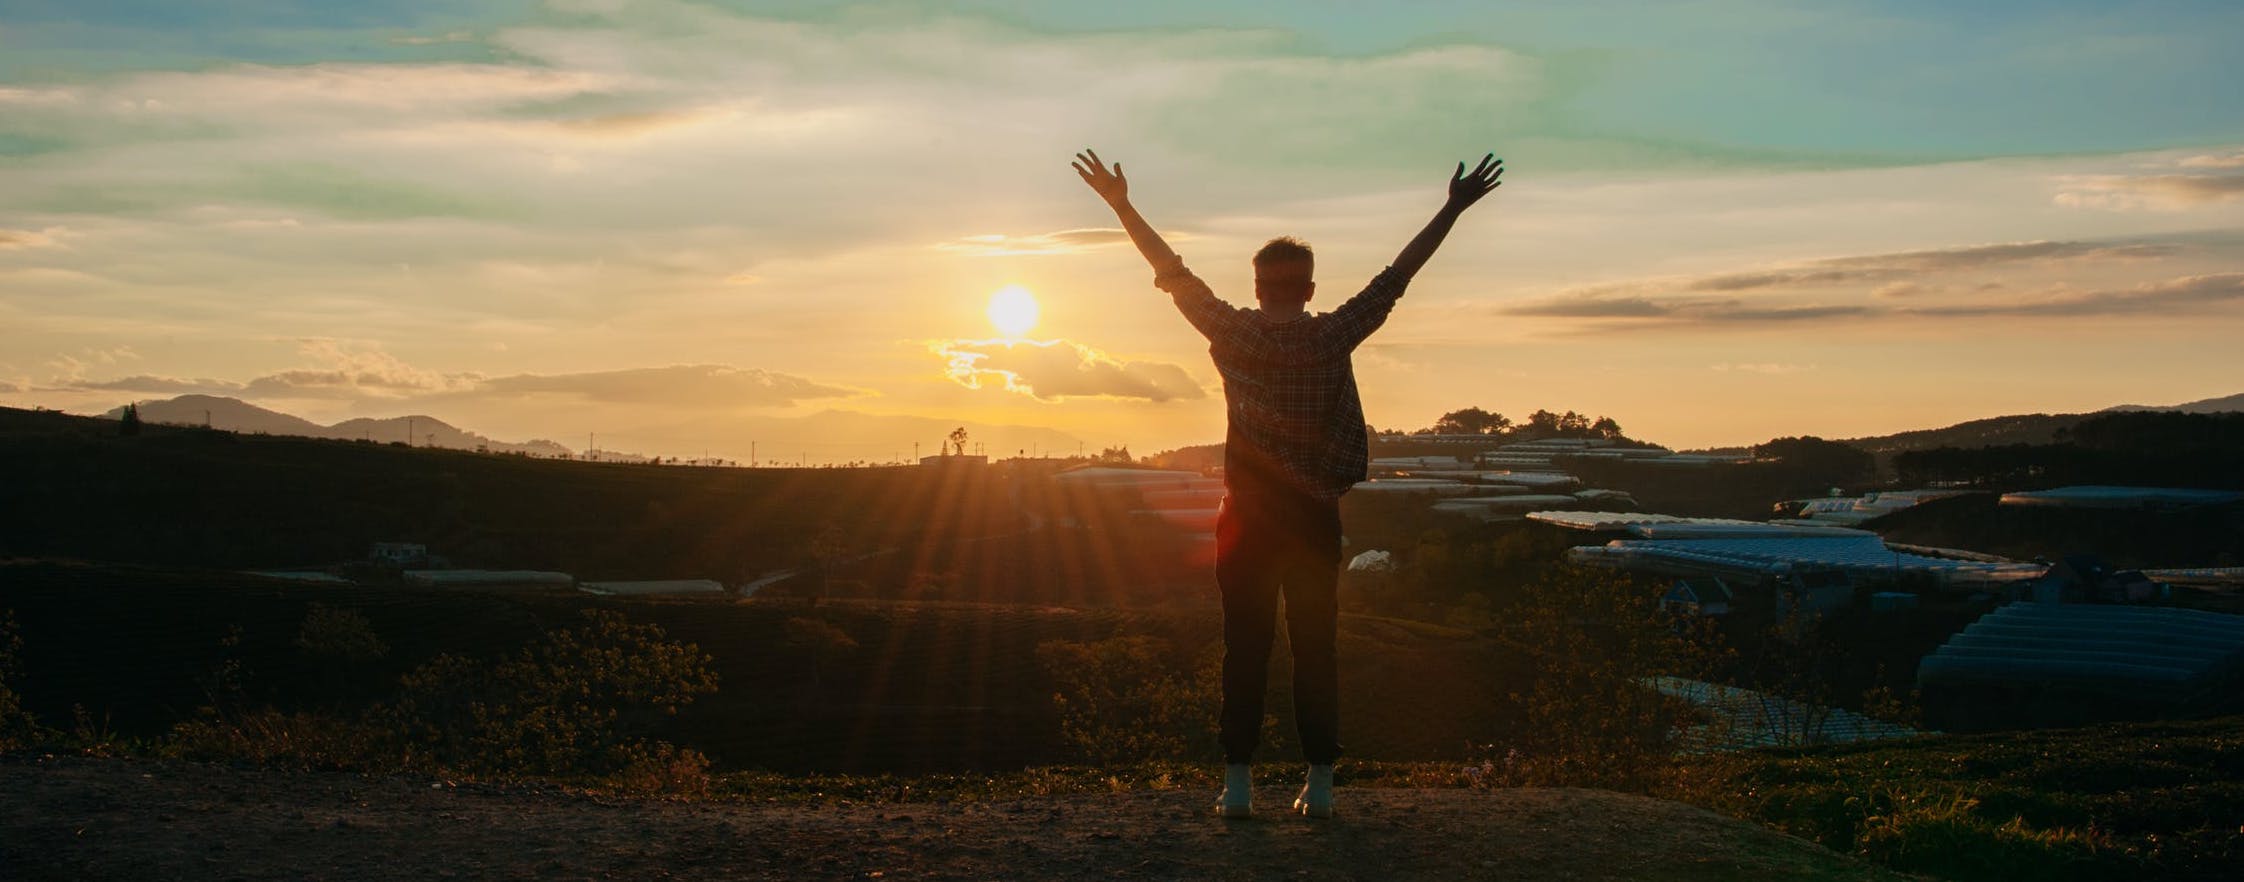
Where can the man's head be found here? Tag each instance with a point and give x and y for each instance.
(1283, 272)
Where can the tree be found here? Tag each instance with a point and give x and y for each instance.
(129, 424)
(1115, 454)
(1817, 460)
(1471, 421)
(1542, 423)
(1571, 423)
(1606, 428)
(958, 441)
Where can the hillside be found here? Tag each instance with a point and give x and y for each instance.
(193, 497)
(2205, 537)
(930, 686)
(115, 819)
(2033, 428)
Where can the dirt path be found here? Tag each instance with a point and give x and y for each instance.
(131, 819)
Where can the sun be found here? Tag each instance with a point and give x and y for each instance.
(1013, 310)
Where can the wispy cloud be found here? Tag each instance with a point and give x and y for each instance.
(2172, 192)
(345, 370)
(2214, 160)
(1876, 278)
(1059, 242)
(2187, 293)
(1054, 370)
(687, 385)
(15, 240)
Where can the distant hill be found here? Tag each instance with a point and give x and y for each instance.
(236, 415)
(863, 437)
(2032, 428)
(2228, 404)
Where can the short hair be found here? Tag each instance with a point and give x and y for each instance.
(1284, 249)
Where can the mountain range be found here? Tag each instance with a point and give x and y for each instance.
(419, 430)
(869, 437)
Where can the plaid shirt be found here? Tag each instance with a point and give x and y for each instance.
(1288, 387)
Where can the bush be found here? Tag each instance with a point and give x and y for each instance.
(18, 728)
(1124, 700)
(1951, 839)
(569, 704)
(1591, 720)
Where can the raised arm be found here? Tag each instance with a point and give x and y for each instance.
(1115, 189)
(1464, 190)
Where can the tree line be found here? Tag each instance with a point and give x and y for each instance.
(1540, 424)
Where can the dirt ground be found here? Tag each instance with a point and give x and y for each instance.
(70, 818)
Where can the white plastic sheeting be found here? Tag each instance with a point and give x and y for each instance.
(2151, 652)
(2099, 496)
(1865, 555)
(1372, 562)
(659, 586)
(488, 577)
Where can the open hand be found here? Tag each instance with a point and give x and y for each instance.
(1466, 189)
(1110, 185)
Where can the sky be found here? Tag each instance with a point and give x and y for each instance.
(692, 226)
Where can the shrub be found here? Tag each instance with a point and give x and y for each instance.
(1951, 839)
(570, 704)
(1123, 699)
(18, 728)
(1591, 719)
(342, 635)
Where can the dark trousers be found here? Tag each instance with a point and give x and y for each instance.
(1268, 545)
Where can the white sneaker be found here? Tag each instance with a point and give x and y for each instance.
(1237, 799)
(1316, 794)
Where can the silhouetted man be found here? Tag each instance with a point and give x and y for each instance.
(1295, 443)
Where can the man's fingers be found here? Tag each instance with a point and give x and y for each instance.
(1096, 162)
(1118, 170)
(1460, 173)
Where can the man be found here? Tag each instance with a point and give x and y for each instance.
(1295, 443)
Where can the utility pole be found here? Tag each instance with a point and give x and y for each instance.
(408, 431)
(752, 462)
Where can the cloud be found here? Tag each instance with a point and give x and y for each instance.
(352, 371)
(18, 240)
(162, 385)
(1899, 274)
(2135, 192)
(1590, 305)
(1977, 256)
(2231, 160)
(1053, 370)
(1680, 310)
(685, 385)
(2187, 293)
(1059, 242)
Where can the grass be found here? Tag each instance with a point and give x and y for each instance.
(2145, 800)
